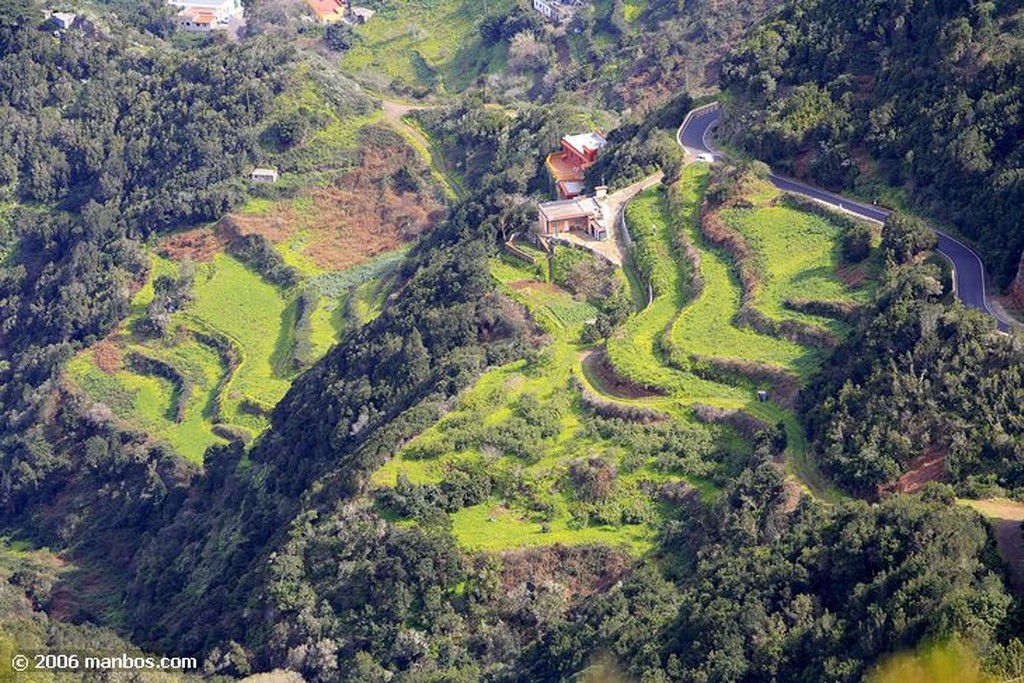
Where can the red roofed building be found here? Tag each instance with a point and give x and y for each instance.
(327, 11)
(567, 167)
(202, 16)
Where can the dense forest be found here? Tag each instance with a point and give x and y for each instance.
(102, 146)
(919, 95)
(279, 555)
(916, 377)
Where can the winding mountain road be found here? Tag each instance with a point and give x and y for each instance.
(968, 270)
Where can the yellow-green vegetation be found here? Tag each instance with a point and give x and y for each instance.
(632, 9)
(425, 44)
(706, 327)
(634, 350)
(368, 298)
(525, 428)
(255, 315)
(798, 253)
(948, 661)
(489, 527)
(657, 348)
(148, 401)
(231, 350)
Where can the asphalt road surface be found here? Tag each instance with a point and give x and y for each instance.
(968, 270)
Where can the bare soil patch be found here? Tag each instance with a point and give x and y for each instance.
(852, 276)
(580, 571)
(198, 244)
(925, 468)
(107, 356)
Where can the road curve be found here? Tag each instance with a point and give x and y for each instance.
(968, 270)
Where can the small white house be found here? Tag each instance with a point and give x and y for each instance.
(62, 20)
(202, 16)
(264, 175)
(556, 10)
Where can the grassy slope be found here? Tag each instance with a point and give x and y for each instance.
(425, 43)
(800, 252)
(234, 300)
(500, 525)
(704, 327)
(635, 349)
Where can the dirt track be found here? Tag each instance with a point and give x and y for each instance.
(1006, 517)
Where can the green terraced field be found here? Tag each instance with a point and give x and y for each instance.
(493, 401)
(146, 401)
(237, 302)
(799, 253)
(706, 328)
(675, 325)
(234, 304)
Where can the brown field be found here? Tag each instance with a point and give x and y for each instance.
(365, 212)
(198, 244)
(107, 356)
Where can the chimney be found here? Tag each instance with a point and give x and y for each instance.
(601, 191)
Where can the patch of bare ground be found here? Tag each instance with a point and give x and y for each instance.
(793, 492)
(610, 383)
(372, 209)
(197, 244)
(576, 571)
(927, 467)
(854, 275)
(107, 356)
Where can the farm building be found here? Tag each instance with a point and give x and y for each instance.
(557, 10)
(263, 175)
(567, 166)
(327, 11)
(63, 20)
(202, 16)
(586, 214)
(361, 15)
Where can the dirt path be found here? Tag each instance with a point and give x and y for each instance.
(394, 114)
(1005, 516)
(605, 381)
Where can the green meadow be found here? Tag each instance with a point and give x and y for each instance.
(798, 253)
(425, 45)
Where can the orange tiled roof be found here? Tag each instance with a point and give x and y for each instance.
(324, 7)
